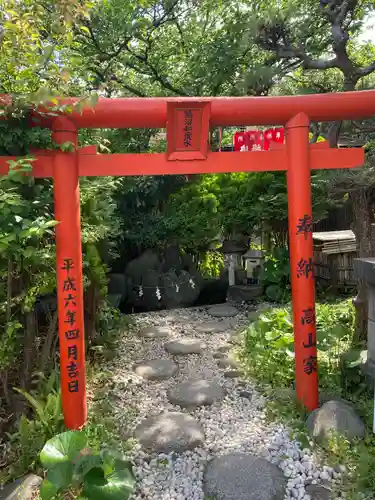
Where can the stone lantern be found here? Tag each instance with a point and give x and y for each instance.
(253, 261)
(233, 250)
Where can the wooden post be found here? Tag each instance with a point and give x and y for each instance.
(301, 260)
(69, 275)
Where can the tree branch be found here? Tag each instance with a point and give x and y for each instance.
(164, 82)
(367, 70)
(363, 128)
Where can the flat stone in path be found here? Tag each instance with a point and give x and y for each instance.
(154, 332)
(212, 327)
(227, 361)
(223, 311)
(156, 369)
(238, 476)
(170, 431)
(185, 346)
(195, 392)
(318, 492)
(233, 374)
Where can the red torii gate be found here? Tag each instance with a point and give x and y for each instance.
(188, 121)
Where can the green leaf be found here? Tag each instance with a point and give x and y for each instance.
(61, 475)
(85, 463)
(274, 292)
(47, 490)
(117, 485)
(62, 448)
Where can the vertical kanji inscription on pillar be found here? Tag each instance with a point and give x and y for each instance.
(69, 277)
(301, 260)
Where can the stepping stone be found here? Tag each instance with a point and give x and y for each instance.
(318, 492)
(223, 311)
(156, 369)
(212, 327)
(227, 361)
(238, 476)
(224, 348)
(193, 393)
(154, 332)
(246, 394)
(185, 346)
(170, 431)
(232, 374)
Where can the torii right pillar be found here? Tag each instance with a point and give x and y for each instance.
(301, 260)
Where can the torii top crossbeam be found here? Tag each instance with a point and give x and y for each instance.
(152, 112)
(188, 121)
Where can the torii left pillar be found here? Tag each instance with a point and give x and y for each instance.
(69, 275)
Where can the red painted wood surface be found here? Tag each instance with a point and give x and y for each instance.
(92, 165)
(274, 110)
(69, 278)
(297, 158)
(301, 260)
(188, 127)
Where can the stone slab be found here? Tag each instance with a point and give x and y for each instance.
(371, 340)
(223, 311)
(364, 269)
(21, 489)
(170, 431)
(156, 369)
(238, 476)
(213, 327)
(243, 293)
(192, 393)
(185, 346)
(227, 361)
(318, 492)
(154, 332)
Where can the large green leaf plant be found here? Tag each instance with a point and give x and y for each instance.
(73, 468)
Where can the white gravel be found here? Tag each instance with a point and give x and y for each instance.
(235, 424)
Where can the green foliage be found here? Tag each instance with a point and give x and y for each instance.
(276, 276)
(33, 431)
(72, 466)
(211, 263)
(269, 344)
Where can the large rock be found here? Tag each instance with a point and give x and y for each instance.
(223, 311)
(212, 291)
(179, 290)
(147, 261)
(172, 259)
(191, 393)
(185, 346)
(22, 489)
(170, 431)
(156, 369)
(336, 417)
(161, 281)
(238, 476)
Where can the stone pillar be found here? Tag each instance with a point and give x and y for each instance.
(364, 269)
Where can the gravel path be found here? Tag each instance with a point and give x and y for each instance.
(232, 423)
